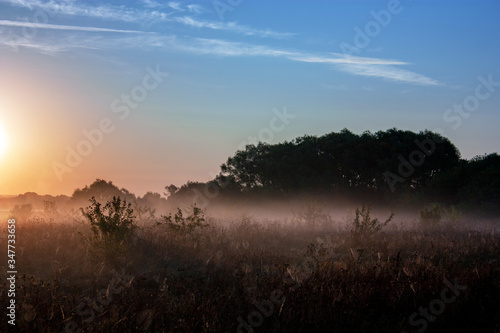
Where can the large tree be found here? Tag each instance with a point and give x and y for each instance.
(343, 161)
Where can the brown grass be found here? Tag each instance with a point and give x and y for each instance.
(205, 281)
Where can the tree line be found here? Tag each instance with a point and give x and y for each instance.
(386, 165)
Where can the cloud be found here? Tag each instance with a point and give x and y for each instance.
(389, 73)
(78, 37)
(43, 48)
(151, 3)
(61, 27)
(192, 8)
(225, 48)
(197, 9)
(150, 14)
(104, 12)
(362, 66)
(232, 27)
(174, 5)
(338, 58)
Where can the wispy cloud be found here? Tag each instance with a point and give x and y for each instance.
(361, 66)
(104, 12)
(193, 8)
(28, 43)
(61, 27)
(175, 5)
(151, 12)
(197, 9)
(338, 58)
(389, 73)
(151, 3)
(232, 27)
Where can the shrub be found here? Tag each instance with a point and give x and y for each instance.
(430, 216)
(184, 225)
(364, 226)
(312, 215)
(114, 222)
(453, 216)
(22, 212)
(111, 225)
(144, 213)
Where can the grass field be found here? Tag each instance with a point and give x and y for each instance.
(248, 274)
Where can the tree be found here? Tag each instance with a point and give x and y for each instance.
(474, 183)
(112, 226)
(171, 190)
(113, 222)
(343, 161)
(102, 191)
(364, 226)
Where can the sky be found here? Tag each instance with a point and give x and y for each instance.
(151, 93)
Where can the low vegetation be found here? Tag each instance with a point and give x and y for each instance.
(364, 226)
(192, 273)
(430, 216)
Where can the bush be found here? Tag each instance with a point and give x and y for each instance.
(111, 225)
(21, 212)
(113, 222)
(453, 216)
(144, 213)
(184, 225)
(430, 216)
(312, 215)
(364, 226)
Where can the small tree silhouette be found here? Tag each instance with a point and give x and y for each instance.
(364, 227)
(113, 222)
(111, 225)
(184, 225)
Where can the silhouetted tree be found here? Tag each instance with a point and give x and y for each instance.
(102, 191)
(474, 183)
(171, 189)
(343, 162)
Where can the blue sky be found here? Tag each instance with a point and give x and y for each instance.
(364, 65)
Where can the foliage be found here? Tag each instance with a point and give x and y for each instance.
(430, 216)
(22, 212)
(102, 191)
(453, 216)
(472, 184)
(153, 200)
(114, 221)
(340, 161)
(312, 215)
(184, 225)
(111, 226)
(144, 213)
(364, 226)
(171, 189)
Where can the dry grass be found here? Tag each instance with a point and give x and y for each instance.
(204, 281)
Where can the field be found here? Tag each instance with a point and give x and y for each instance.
(307, 274)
